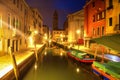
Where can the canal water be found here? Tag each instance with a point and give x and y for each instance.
(53, 64)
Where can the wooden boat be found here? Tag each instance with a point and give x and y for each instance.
(107, 71)
(80, 56)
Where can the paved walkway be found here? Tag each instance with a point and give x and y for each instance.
(6, 61)
(112, 57)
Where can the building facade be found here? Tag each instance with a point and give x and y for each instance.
(46, 33)
(95, 22)
(112, 16)
(58, 36)
(15, 22)
(75, 26)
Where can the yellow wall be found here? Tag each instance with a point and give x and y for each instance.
(114, 13)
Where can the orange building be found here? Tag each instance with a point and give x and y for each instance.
(94, 25)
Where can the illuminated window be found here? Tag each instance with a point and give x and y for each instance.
(103, 14)
(110, 21)
(98, 17)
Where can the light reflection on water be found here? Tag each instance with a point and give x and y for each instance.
(54, 67)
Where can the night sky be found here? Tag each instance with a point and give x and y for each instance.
(64, 7)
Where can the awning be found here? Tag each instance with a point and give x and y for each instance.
(111, 41)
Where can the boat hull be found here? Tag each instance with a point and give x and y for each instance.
(80, 60)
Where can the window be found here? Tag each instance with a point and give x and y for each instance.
(9, 25)
(14, 1)
(98, 17)
(17, 24)
(98, 31)
(8, 43)
(103, 30)
(110, 5)
(93, 32)
(93, 18)
(14, 22)
(0, 21)
(103, 14)
(17, 3)
(25, 13)
(110, 2)
(110, 21)
(119, 21)
(21, 7)
(93, 4)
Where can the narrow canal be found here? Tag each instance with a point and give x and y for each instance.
(53, 64)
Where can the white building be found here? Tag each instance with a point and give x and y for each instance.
(75, 26)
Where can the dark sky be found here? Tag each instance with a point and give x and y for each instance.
(64, 7)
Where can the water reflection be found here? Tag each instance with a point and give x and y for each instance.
(77, 70)
(54, 67)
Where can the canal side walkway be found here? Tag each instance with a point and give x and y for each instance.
(112, 57)
(6, 61)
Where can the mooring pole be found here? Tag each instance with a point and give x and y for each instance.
(15, 67)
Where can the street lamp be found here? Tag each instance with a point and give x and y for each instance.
(78, 31)
(49, 42)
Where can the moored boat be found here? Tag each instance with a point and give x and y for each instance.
(107, 71)
(80, 56)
